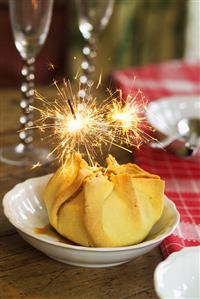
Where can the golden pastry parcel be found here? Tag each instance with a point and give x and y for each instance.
(103, 207)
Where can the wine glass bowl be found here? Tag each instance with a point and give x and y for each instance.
(93, 16)
(30, 22)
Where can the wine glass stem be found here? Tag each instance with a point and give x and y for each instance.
(26, 117)
(88, 65)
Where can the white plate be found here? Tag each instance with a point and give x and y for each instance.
(179, 275)
(24, 208)
(163, 114)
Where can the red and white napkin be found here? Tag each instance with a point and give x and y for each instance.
(156, 81)
(182, 176)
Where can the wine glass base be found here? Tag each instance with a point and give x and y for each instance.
(22, 156)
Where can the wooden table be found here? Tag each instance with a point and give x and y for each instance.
(29, 274)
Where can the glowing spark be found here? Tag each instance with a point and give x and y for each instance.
(38, 164)
(76, 124)
(99, 82)
(124, 117)
(51, 66)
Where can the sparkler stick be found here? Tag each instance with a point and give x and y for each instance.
(71, 108)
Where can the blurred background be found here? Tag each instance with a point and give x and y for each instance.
(140, 32)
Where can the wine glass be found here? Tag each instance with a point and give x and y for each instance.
(30, 20)
(93, 17)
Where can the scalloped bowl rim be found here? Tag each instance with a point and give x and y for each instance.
(170, 260)
(143, 244)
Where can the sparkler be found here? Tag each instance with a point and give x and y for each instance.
(127, 119)
(86, 126)
(76, 125)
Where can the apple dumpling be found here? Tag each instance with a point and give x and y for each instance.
(103, 207)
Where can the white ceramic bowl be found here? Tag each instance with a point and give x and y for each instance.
(24, 208)
(163, 114)
(179, 275)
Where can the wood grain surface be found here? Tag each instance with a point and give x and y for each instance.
(27, 273)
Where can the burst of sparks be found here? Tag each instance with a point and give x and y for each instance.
(127, 120)
(85, 126)
(77, 125)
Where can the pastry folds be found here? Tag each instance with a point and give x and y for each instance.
(116, 206)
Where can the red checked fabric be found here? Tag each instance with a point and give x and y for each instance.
(182, 176)
(182, 179)
(160, 80)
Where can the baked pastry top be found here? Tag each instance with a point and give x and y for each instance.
(103, 207)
